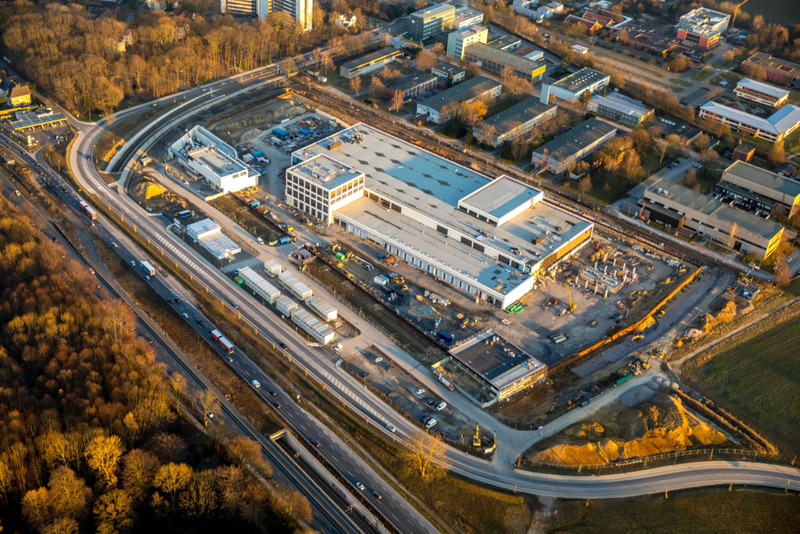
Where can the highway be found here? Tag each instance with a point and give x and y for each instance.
(319, 363)
(326, 517)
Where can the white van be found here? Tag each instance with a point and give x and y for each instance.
(431, 423)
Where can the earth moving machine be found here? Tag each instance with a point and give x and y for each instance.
(572, 305)
(476, 439)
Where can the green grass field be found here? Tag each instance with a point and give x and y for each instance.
(685, 512)
(783, 12)
(759, 374)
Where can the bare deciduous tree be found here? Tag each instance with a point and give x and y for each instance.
(425, 450)
(102, 455)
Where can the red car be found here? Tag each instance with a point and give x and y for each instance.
(150, 350)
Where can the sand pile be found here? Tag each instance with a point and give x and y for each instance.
(658, 427)
(250, 134)
(158, 195)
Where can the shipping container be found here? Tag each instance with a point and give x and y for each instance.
(305, 131)
(185, 213)
(332, 123)
(313, 326)
(335, 145)
(285, 240)
(258, 154)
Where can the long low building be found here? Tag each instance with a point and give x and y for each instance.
(758, 190)
(516, 120)
(571, 147)
(490, 238)
(762, 93)
(679, 207)
(502, 366)
(323, 308)
(370, 62)
(495, 60)
(573, 86)
(412, 85)
(773, 128)
(208, 234)
(293, 284)
(777, 70)
(479, 87)
(621, 108)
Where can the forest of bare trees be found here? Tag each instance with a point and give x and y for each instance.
(89, 437)
(81, 61)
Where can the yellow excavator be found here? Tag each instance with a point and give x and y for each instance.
(572, 305)
(476, 440)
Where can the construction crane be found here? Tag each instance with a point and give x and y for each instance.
(736, 12)
(572, 305)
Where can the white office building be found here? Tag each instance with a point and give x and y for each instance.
(321, 185)
(206, 155)
(458, 41)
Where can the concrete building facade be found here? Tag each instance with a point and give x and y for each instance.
(477, 88)
(427, 22)
(777, 70)
(763, 93)
(573, 86)
(703, 26)
(621, 108)
(458, 41)
(571, 147)
(495, 60)
(773, 128)
(515, 121)
(370, 62)
(758, 190)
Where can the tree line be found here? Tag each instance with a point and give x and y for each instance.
(81, 62)
(90, 438)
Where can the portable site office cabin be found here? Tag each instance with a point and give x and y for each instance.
(286, 306)
(323, 308)
(272, 268)
(298, 288)
(313, 326)
(258, 285)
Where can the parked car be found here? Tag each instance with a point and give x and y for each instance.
(420, 391)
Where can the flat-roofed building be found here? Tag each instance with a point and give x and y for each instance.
(758, 190)
(448, 74)
(590, 26)
(206, 155)
(499, 364)
(506, 43)
(208, 235)
(773, 128)
(714, 219)
(479, 87)
(777, 70)
(427, 22)
(573, 86)
(514, 121)
(370, 62)
(621, 108)
(466, 16)
(571, 147)
(762, 93)
(321, 184)
(638, 36)
(488, 238)
(703, 26)
(495, 60)
(458, 41)
(743, 152)
(412, 85)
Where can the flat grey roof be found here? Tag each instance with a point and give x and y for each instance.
(499, 362)
(502, 195)
(447, 67)
(623, 104)
(763, 178)
(505, 41)
(463, 91)
(714, 209)
(326, 171)
(521, 113)
(409, 82)
(569, 143)
(216, 160)
(220, 244)
(501, 56)
(579, 81)
(420, 179)
(432, 11)
(372, 56)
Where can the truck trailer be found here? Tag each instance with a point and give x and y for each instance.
(148, 269)
(87, 209)
(223, 341)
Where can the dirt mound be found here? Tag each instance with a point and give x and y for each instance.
(250, 134)
(157, 196)
(646, 323)
(657, 427)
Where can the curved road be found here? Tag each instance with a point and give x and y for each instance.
(319, 364)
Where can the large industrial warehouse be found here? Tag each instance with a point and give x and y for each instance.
(490, 238)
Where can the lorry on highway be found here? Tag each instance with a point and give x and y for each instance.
(185, 213)
(87, 209)
(226, 345)
(148, 269)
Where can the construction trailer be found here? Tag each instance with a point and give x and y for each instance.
(323, 308)
(260, 287)
(272, 268)
(286, 306)
(295, 286)
(313, 326)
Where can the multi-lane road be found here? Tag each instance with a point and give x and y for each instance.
(320, 365)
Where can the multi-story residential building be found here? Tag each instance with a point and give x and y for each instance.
(621, 108)
(573, 86)
(773, 128)
(429, 21)
(516, 120)
(703, 26)
(300, 10)
(777, 70)
(495, 60)
(478, 88)
(370, 62)
(762, 93)
(458, 41)
(571, 147)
